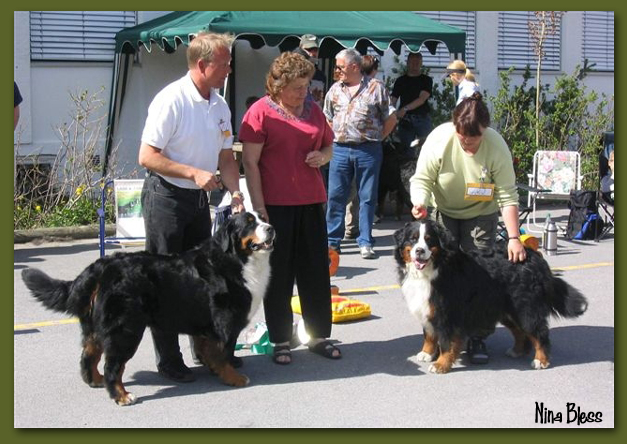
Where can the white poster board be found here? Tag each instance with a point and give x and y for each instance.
(128, 208)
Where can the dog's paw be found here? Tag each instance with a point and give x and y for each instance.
(127, 399)
(438, 368)
(424, 357)
(539, 365)
(234, 379)
(241, 381)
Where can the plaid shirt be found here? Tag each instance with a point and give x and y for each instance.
(360, 118)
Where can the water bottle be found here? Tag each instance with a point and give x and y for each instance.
(545, 231)
(551, 239)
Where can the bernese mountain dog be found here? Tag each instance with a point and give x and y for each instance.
(455, 294)
(210, 292)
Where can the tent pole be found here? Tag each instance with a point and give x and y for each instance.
(231, 81)
(114, 106)
(114, 87)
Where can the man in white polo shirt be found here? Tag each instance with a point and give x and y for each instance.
(187, 137)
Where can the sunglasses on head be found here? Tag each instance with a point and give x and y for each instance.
(455, 71)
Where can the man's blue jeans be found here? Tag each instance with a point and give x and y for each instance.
(362, 162)
(412, 127)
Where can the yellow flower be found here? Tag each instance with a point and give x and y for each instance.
(79, 191)
(38, 208)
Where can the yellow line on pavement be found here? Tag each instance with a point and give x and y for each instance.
(34, 325)
(44, 324)
(583, 267)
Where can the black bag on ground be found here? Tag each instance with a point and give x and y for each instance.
(583, 221)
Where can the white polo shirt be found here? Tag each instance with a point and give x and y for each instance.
(188, 128)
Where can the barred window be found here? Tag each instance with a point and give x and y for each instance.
(598, 39)
(466, 21)
(516, 47)
(76, 35)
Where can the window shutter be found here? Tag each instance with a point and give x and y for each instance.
(516, 46)
(598, 39)
(465, 20)
(76, 35)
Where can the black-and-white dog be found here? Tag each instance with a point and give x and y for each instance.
(210, 292)
(455, 293)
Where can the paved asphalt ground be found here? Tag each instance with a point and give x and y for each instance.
(378, 383)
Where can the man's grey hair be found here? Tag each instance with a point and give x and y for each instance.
(350, 55)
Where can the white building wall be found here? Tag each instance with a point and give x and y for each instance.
(45, 86)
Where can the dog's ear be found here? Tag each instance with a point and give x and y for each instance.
(446, 239)
(223, 236)
(399, 235)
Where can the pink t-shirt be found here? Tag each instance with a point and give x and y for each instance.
(285, 177)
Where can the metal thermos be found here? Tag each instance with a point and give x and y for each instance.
(549, 240)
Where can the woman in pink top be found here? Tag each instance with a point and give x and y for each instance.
(286, 140)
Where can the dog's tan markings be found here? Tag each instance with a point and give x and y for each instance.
(431, 314)
(92, 352)
(430, 344)
(212, 354)
(247, 239)
(447, 357)
(541, 358)
(407, 253)
(122, 397)
(92, 299)
(520, 339)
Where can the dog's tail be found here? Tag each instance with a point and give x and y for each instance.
(70, 297)
(567, 301)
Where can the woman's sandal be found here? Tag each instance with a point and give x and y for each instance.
(326, 349)
(282, 351)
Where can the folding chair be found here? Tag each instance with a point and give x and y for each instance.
(129, 222)
(605, 197)
(555, 174)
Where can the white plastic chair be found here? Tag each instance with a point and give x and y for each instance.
(555, 174)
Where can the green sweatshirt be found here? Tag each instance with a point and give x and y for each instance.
(444, 169)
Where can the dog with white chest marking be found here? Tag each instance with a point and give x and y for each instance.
(210, 292)
(455, 293)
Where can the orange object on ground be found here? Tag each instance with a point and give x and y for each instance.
(334, 261)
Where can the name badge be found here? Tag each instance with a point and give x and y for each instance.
(479, 191)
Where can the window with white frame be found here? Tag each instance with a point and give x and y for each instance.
(598, 39)
(76, 35)
(466, 21)
(516, 46)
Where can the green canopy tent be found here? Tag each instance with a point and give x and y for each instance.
(336, 30)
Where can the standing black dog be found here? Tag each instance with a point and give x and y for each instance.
(210, 292)
(454, 293)
(396, 169)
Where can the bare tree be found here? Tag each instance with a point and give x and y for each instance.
(544, 26)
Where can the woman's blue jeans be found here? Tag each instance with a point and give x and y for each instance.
(362, 162)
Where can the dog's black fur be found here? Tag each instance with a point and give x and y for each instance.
(456, 293)
(396, 169)
(207, 292)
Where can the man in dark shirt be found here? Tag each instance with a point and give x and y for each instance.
(309, 49)
(414, 90)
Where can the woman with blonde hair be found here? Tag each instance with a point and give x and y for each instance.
(463, 78)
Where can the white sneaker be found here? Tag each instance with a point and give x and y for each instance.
(367, 252)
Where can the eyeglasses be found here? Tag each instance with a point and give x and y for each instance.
(340, 68)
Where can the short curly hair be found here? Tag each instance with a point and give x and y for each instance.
(284, 69)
